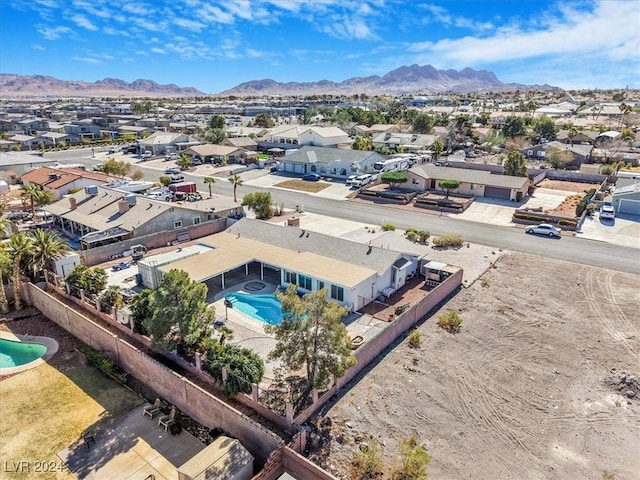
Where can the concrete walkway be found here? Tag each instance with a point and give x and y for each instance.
(133, 447)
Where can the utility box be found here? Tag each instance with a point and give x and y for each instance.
(64, 265)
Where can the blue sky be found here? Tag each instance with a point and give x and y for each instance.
(215, 45)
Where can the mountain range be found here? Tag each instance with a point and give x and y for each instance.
(41, 86)
(413, 79)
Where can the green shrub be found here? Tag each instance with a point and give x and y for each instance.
(424, 235)
(388, 227)
(367, 461)
(412, 236)
(450, 321)
(580, 208)
(99, 360)
(455, 241)
(415, 337)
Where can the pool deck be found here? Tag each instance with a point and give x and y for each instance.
(50, 343)
(249, 332)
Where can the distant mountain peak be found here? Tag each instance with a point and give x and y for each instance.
(40, 85)
(411, 79)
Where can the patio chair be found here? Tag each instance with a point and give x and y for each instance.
(151, 410)
(167, 420)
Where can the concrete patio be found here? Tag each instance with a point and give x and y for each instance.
(132, 447)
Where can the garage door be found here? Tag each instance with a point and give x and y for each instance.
(630, 206)
(496, 192)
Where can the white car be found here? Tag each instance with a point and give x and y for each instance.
(607, 211)
(350, 179)
(362, 180)
(146, 154)
(171, 156)
(544, 229)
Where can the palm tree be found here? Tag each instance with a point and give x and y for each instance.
(19, 248)
(209, 181)
(236, 182)
(47, 246)
(30, 193)
(5, 269)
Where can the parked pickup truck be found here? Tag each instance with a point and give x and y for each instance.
(171, 156)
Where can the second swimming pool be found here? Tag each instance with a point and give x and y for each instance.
(265, 308)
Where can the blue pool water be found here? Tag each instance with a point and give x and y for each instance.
(14, 354)
(265, 308)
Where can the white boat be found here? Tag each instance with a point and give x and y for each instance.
(130, 185)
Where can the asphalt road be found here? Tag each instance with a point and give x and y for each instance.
(570, 249)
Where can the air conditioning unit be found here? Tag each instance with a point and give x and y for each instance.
(91, 190)
(130, 199)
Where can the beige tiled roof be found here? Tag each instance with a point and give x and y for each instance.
(232, 251)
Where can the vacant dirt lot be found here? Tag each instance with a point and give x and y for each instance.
(535, 386)
(567, 186)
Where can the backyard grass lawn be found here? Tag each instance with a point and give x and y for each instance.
(44, 410)
(303, 185)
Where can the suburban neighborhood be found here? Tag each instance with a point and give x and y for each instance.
(130, 203)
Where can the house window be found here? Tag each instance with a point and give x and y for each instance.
(196, 220)
(177, 224)
(290, 277)
(320, 285)
(337, 293)
(472, 187)
(304, 282)
(414, 181)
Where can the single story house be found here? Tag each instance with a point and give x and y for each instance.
(580, 153)
(60, 180)
(160, 143)
(405, 142)
(22, 162)
(101, 216)
(477, 183)
(354, 274)
(332, 162)
(246, 143)
(626, 199)
(217, 154)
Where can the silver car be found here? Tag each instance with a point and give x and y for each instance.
(544, 229)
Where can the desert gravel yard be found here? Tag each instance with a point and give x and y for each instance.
(537, 385)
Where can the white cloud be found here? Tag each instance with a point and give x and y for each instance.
(54, 33)
(189, 24)
(578, 33)
(35, 46)
(213, 14)
(442, 15)
(89, 60)
(83, 22)
(136, 8)
(159, 50)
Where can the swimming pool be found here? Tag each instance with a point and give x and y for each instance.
(265, 308)
(15, 354)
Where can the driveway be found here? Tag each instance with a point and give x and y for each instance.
(499, 212)
(623, 230)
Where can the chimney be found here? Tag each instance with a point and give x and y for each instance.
(73, 203)
(123, 206)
